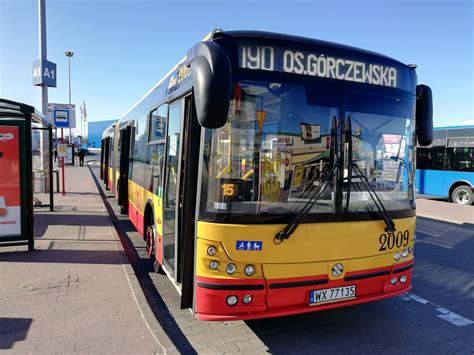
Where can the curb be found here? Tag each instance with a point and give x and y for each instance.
(447, 220)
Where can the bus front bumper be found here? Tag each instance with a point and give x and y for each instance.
(283, 297)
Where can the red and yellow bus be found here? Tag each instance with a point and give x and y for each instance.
(273, 175)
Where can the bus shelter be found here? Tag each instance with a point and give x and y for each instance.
(20, 146)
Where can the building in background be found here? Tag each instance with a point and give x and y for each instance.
(95, 130)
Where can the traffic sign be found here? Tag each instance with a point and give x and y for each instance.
(62, 115)
(61, 118)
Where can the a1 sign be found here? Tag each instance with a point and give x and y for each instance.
(44, 73)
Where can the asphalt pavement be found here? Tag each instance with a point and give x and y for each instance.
(436, 317)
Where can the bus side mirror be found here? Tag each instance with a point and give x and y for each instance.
(424, 115)
(211, 76)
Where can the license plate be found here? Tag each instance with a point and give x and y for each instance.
(332, 295)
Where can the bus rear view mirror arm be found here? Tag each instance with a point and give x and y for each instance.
(424, 115)
(211, 76)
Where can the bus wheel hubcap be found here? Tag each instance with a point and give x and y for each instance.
(463, 197)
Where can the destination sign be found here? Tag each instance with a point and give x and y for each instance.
(319, 65)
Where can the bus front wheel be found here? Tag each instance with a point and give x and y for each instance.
(463, 195)
(150, 239)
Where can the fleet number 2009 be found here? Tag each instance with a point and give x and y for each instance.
(390, 240)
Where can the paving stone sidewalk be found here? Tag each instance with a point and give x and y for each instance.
(76, 292)
(444, 211)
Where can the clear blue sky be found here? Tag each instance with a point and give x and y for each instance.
(122, 48)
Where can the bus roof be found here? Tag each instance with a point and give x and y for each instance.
(109, 131)
(453, 127)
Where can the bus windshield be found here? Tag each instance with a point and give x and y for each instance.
(278, 138)
(383, 149)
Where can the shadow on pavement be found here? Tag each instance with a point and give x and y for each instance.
(13, 330)
(81, 193)
(156, 303)
(75, 219)
(324, 331)
(43, 221)
(66, 256)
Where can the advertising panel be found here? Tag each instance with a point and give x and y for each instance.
(62, 150)
(310, 132)
(10, 200)
(70, 155)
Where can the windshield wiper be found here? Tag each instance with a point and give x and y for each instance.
(312, 185)
(296, 221)
(365, 182)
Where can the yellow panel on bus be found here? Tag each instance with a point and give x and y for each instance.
(360, 245)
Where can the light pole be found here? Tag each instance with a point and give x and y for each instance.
(69, 54)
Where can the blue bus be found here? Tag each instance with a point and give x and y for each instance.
(446, 167)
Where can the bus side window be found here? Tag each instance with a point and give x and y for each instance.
(157, 139)
(461, 159)
(157, 124)
(131, 155)
(437, 158)
(157, 166)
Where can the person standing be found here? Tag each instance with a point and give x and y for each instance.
(81, 155)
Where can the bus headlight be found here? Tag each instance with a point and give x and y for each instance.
(403, 279)
(211, 251)
(214, 265)
(393, 281)
(396, 257)
(249, 270)
(230, 268)
(405, 253)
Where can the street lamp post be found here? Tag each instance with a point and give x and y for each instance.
(69, 54)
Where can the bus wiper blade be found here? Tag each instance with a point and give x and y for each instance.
(312, 185)
(378, 203)
(296, 221)
(365, 181)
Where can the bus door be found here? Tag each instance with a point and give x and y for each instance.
(106, 161)
(180, 194)
(188, 193)
(125, 134)
(115, 156)
(101, 167)
(171, 190)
